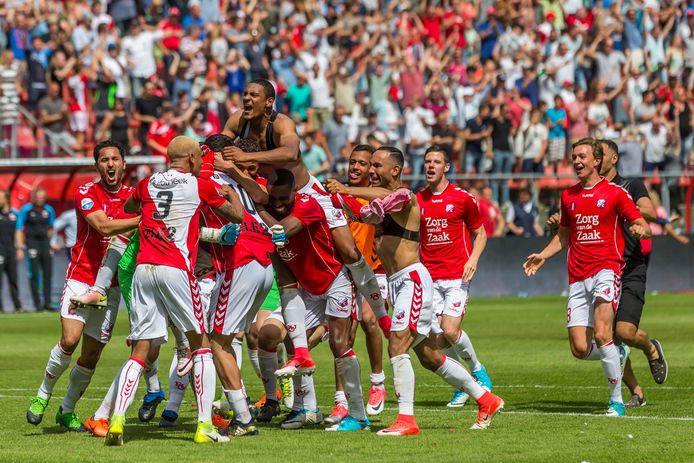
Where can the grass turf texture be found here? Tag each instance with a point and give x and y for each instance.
(553, 402)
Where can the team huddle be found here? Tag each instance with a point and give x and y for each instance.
(237, 240)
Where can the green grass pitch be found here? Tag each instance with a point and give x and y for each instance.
(553, 402)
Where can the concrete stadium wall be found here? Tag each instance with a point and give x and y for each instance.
(499, 273)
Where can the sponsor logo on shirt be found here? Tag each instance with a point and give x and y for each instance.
(86, 204)
(167, 184)
(285, 253)
(584, 228)
(436, 232)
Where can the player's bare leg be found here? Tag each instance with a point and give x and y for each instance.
(603, 348)
(225, 361)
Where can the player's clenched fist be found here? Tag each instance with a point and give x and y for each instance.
(554, 222)
(639, 231)
(333, 186)
(533, 264)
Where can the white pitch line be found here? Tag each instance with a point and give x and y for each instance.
(470, 410)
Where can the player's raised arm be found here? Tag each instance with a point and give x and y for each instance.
(232, 124)
(368, 193)
(287, 151)
(537, 260)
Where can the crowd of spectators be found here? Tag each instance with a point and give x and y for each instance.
(503, 85)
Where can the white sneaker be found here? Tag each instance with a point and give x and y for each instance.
(185, 361)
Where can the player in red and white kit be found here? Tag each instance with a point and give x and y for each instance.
(100, 214)
(164, 287)
(593, 213)
(244, 277)
(450, 220)
(326, 287)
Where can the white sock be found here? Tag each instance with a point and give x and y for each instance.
(463, 347)
(378, 380)
(403, 383)
(106, 407)
(127, 385)
(237, 400)
(294, 313)
(594, 353)
(58, 361)
(299, 393)
(204, 381)
(151, 374)
(109, 264)
(268, 364)
(457, 376)
(237, 347)
(367, 285)
(341, 399)
(609, 358)
(350, 374)
(310, 400)
(80, 377)
(253, 357)
(177, 387)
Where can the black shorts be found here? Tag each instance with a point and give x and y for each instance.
(633, 295)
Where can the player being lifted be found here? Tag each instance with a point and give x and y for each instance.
(593, 213)
(164, 287)
(410, 290)
(365, 238)
(449, 220)
(280, 142)
(100, 214)
(326, 287)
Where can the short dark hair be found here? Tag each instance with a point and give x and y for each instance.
(218, 142)
(268, 88)
(595, 145)
(611, 145)
(368, 148)
(438, 149)
(281, 177)
(249, 145)
(108, 144)
(395, 155)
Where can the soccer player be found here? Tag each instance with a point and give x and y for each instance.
(593, 213)
(365, 237)
(280, 142)
(163, 284)
(410, 289)
(100, 213)
(450, 219)
(628, 314)
(244, 278)
(310, 254)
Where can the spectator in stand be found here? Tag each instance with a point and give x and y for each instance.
(630, 153)
(657, 136)
(147, 109)
(476, 135)
(116, 126)
(418, 122)
(298, 97)
(8, 252)
(533, 140)
(556, 123)
(53, 115)
(501, 136)
(335, 133)
(522, 218)
(314, 157)
(139, 53)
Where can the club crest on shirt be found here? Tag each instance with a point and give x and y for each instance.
(86, 204)
(601, 203)
(449, 207)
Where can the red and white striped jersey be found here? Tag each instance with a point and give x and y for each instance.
(170, 205)
(254, 242)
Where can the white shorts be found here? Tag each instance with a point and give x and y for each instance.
(237, 296)
(450, 297)
(604, 285)
(98, 324)
(206, 288)
(79, 121)
(382, 286)
(162, 293)
(339, 301)
(411, 293)
(335, 217)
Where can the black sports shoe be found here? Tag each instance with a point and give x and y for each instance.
(659, 368)
(237, 429)
(150, 404)
(268, 411)
(636, 401)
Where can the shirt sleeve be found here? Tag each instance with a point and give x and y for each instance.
(86, 202)
(209, 193)
(471, 213)
(637, 190)
(307, 210)
(563, 212)
(627, 207)
(22, 216)
(51, 214)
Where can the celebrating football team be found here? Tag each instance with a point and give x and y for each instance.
(236, 239)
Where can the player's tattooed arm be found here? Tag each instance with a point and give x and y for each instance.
(232, 209)
(100, 222)
(535, 261)
(369, 193)
(646, 208)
